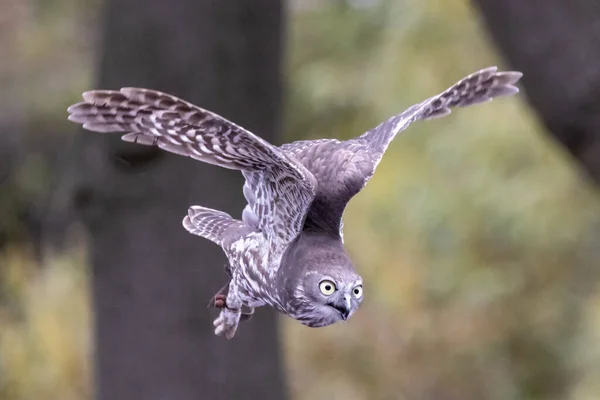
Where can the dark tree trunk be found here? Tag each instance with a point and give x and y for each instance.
(152, 280)
(556, 44)
(12, 124)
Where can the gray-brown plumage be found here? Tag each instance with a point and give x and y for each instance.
(286, 251)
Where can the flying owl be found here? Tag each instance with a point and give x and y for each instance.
(286, 251)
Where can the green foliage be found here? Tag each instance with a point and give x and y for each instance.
(477, 236)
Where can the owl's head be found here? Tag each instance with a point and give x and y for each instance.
(332, 297)
(320, 282)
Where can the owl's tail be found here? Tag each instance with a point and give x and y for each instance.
(216, 226)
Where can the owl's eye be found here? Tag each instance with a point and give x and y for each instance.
(327, 287)
(357, 291)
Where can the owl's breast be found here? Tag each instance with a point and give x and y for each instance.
(255, 283)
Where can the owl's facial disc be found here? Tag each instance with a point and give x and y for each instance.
(345, 299)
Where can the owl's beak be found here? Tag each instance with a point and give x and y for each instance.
(344, 306)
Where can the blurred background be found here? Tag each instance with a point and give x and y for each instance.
(478, 237)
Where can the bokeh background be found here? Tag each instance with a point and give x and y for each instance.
(478, 237)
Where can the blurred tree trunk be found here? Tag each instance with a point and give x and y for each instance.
(12, 126)
(556, 44)
(152, 280)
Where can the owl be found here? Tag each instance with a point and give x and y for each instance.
(286, 250)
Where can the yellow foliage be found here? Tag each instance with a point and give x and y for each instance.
(45, 335)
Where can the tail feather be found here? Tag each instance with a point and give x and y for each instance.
(213, 225)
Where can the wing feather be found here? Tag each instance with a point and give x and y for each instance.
(343, 168)
(279, 189)
(478, 87)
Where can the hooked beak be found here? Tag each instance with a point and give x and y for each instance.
(343, 306)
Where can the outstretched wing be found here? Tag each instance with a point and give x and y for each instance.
(479, 87)
(280, 189)
(342, 169)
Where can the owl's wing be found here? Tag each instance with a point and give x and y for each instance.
(279, 188)
(342, 169)
(478, 87)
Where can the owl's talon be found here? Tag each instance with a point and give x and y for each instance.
(247, 315)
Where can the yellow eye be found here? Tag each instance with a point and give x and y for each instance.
(327, 287)
(357, 291)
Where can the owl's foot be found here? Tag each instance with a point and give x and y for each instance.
(227, 322)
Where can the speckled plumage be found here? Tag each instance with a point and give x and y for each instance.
(287, 250)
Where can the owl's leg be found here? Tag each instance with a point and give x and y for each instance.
(219, 300)
(227, 322)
